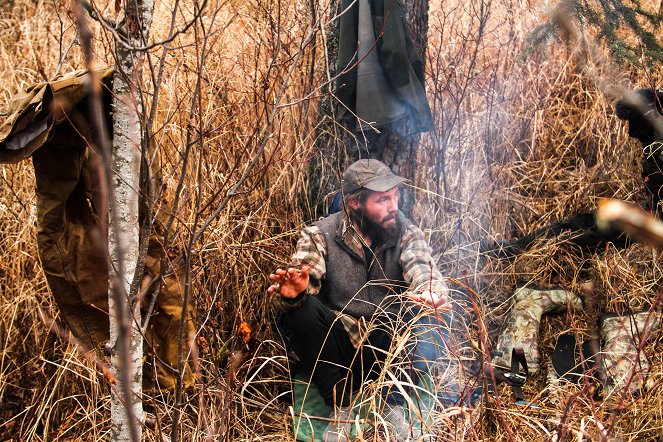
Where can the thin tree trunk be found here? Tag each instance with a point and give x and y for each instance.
(124, 244)
(400, 153)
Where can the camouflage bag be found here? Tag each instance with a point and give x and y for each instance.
(522, 325)
(625, 364)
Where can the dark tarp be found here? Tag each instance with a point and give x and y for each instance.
(380, 75)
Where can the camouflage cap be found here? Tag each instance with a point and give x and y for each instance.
(369, 174)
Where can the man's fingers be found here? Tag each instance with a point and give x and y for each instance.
(432, 299)
(293, 271)
(277, 278)
(289, 283)
(446, 305)
(440, 302)
(415, 297)
(296, 275)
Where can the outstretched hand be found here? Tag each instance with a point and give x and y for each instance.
(436, 300)
(289, 283)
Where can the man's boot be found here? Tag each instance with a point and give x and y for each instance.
(405, 425)
(340, 426)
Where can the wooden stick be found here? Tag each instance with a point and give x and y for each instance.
(638, 224)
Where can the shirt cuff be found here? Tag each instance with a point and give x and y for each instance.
(296, 300)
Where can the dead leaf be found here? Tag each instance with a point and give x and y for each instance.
(108, 375)
(203, 345)
(245, 332)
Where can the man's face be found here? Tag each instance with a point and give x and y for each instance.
(382, 207)
(378, 213)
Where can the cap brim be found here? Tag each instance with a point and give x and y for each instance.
(384, 183)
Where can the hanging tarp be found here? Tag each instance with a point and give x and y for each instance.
(380, 75)
(48, 123)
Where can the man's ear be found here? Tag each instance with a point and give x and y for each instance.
(353, 202)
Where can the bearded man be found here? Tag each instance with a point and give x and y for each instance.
(357, 280)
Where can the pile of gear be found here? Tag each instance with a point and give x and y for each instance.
(621, 364)
(617, 362)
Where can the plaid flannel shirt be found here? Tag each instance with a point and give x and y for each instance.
(419, 269)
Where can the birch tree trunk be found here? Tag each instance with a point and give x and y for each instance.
(124, 245)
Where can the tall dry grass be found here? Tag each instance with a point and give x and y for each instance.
(518, 144)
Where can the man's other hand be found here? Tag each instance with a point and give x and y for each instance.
(434, 299)
(289, 283)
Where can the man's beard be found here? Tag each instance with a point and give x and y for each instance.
(378, 233)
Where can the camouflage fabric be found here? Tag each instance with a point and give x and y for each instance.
(48, 123)
(522, 325)
(626, 367)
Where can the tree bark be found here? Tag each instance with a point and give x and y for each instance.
(399, 152)
(416, 12)
(124, 244)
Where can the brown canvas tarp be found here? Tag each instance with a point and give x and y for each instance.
(48, 123)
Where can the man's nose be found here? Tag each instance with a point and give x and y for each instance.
(393, 206)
